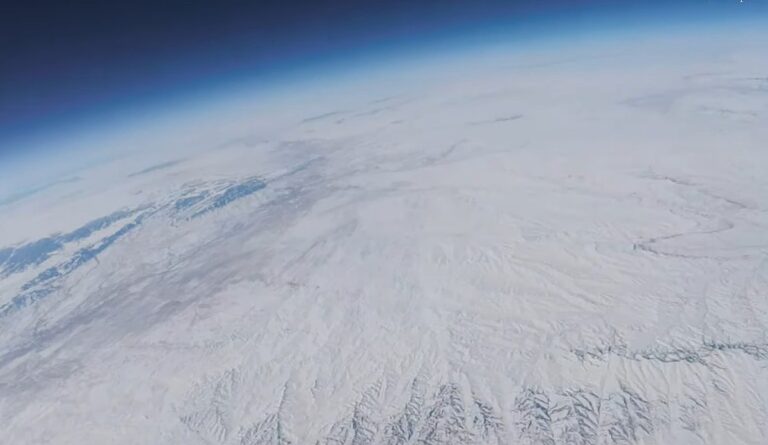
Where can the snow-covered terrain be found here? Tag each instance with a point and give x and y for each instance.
(533, 247)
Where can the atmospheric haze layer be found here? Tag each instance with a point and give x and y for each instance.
(545, 244)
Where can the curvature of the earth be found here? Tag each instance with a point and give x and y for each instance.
(544, 247)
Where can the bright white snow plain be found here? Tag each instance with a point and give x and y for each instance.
(563, 246)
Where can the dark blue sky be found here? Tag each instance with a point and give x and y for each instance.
(62, 61)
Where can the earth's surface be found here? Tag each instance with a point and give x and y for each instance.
(534, 246)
